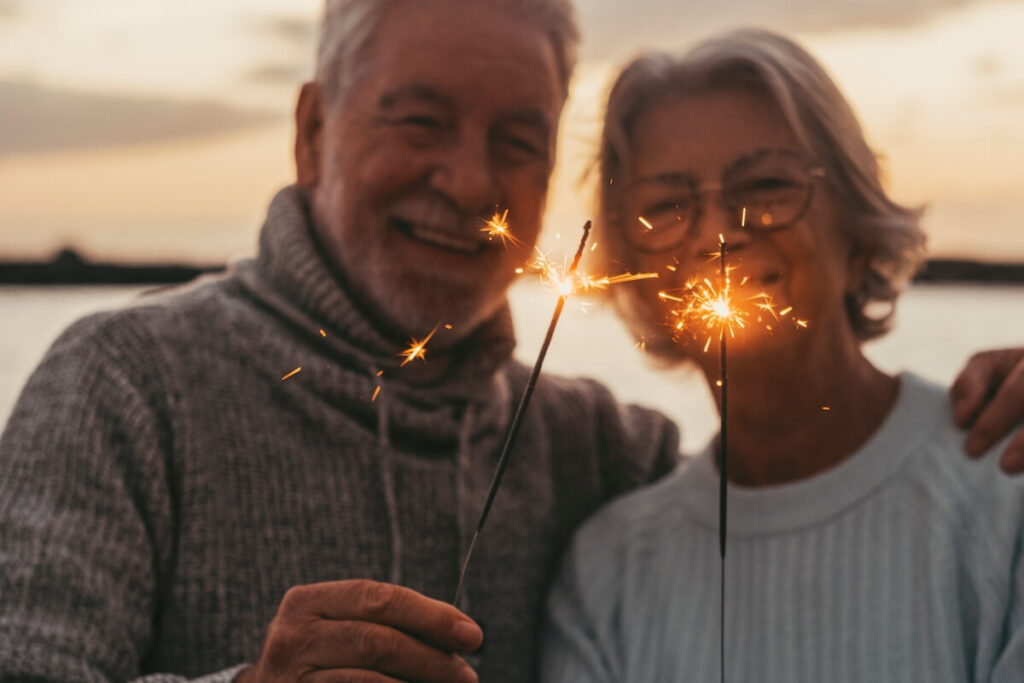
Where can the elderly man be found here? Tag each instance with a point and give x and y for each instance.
(164, 495)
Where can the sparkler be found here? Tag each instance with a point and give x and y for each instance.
(710, 308)
(575, 279)
(724, 311)
(517, 419)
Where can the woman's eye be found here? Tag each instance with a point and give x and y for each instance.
(668, 206)
(768, 184)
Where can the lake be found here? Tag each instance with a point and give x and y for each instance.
(938, 327)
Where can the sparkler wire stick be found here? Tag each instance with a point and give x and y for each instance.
(723, 464)
(517, 419)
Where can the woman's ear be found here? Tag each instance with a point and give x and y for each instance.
(309, 122)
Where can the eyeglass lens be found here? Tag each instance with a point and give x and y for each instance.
(767, 191)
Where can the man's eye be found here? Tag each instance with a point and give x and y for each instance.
(522, 144)
(421, 121)
(519, 147)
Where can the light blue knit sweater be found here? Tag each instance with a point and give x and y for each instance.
(903, 563)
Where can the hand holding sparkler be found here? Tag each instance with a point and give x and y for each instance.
(517, 419)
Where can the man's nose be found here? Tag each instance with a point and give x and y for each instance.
(465, 174)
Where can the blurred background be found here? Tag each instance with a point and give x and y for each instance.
(140, 132)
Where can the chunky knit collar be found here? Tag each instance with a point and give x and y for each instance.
(291, 275)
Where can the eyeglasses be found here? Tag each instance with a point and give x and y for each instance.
(770, 189)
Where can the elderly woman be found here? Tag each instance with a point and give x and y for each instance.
(857, 550)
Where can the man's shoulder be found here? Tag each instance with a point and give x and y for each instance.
(202, 307)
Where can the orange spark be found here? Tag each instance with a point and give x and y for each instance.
(376, 393)
(713, 311)
(558, 278)
(417, 349)
(322, 333)
(292, 373)
(497, 226)
(646, 223)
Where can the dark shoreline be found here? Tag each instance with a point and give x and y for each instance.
(69, 268)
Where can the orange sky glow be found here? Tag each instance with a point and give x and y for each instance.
(123, 142)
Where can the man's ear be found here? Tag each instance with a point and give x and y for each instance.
(309, 123)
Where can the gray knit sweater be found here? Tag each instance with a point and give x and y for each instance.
(161, 486)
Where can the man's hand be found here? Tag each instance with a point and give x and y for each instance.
(988, 397)
(365, 631)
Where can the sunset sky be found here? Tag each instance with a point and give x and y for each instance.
(158, 131)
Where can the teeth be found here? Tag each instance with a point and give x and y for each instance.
(443, 239)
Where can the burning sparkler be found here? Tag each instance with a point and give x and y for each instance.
(723, 311)
(707, 307)
(517, 419)
(575, 280)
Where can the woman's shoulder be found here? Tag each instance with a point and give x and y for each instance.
(972, 494)
(645, 516)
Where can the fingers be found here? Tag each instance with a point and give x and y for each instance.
(432, 621)
(351, 647)
(347, 676)
(1012, 459)
(976, 383)
(998, 416)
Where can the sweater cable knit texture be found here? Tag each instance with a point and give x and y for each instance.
(161, 487)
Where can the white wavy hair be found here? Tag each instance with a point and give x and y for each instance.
(885, 234)
(347, 28)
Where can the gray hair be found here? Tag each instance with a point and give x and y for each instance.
(348, 26)
(886, 235)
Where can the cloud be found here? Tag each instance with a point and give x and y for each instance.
(613, 28)
(297, 31)
(41, 119)
(279, 73)
(10, 10)
(1010, 96)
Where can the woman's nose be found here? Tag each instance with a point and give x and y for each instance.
(719, 222)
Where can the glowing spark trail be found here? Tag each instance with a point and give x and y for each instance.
(497, 226)
(517, 419)
(571, 281)
(417, 349)
(292, 373)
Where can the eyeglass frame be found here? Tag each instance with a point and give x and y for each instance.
(813, 169)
